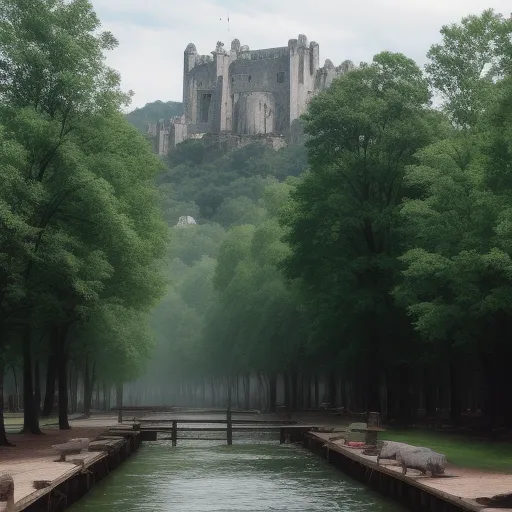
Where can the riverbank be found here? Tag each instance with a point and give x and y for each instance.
(458, 487)
(33, 459)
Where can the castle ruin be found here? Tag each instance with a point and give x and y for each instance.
(246, 93)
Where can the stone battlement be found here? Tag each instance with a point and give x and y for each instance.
(246, 92)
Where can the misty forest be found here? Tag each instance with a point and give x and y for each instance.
(366, 265)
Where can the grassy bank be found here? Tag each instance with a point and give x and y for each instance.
(459, 450)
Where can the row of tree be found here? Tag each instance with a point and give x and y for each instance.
(81, 228)
(385, 266)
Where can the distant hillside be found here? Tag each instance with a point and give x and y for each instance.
(153, 112)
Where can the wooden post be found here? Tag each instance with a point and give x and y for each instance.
(230, 427)
(281, 436)
(174, 434)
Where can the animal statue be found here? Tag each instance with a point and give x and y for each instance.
(389, 449)
(423, 460)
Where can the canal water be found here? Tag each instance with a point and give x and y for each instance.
(204, 476)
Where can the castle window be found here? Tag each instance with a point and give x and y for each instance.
(250, 78)
(204, 106)
(280, 77)
(200, 84)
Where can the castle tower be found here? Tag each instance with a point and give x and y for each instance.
(221, 104)
(304, 63)
(189, 61)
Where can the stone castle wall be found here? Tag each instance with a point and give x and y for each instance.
(249, 93)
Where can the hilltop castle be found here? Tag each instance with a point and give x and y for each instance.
(246, 93)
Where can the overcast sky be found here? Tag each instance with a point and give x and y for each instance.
(153, 34)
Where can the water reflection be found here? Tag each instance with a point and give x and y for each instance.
(200, 476)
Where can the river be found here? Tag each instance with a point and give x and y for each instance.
(204, 476)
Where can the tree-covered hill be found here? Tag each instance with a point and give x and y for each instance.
(153, 112)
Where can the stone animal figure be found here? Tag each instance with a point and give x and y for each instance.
(423, 460)
(389, 449)
(7, 491)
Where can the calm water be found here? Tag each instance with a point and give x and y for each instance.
(203, 476)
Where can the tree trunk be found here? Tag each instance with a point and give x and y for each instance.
(247, 390)
(37, 387)
(62, 374)
(403, 395)
(317, 392)
(294, 390)
(119, 401)
(74, 390)
(49, 394)
(272, 392)
(332, 389)
(307, 397)
(430, 392)
(105, 398)
(229, 394)
(287, 392)
(373, 385)
(98, 405)
(16, 402)
(383, 400)
(88, 387)
(3, 436)
(30, 416)
(214, 401)
(455, 405)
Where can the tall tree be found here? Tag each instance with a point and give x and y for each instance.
(344, 222)
(463, 68)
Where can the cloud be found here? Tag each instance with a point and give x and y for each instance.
(153, 34)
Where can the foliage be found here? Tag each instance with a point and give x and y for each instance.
(82, 231)
(377, 254)
(152, 113)
(472, 57)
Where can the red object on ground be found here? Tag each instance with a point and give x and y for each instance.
(355, 444)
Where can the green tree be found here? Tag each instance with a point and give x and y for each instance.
(464, 67)
(83, 186)
(344, 223)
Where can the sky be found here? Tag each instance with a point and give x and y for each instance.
(153, 34)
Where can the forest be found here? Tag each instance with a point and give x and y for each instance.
(373, 255)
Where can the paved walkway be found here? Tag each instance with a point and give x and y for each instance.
(465, 483)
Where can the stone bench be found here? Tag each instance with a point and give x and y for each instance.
(69, 448)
